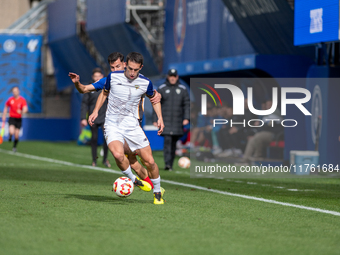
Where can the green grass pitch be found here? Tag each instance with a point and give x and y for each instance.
(53, 208)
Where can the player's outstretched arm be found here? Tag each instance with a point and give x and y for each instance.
(80, 87)
(100, 101)
(158, 109)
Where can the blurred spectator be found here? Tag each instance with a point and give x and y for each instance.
(87, 105)
(201, 133)
(233, 139)
(176, 113)
(266, 134)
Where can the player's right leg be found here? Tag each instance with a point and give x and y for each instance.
(117, 150)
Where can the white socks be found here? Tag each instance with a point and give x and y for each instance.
(128, 173)
(156, 184)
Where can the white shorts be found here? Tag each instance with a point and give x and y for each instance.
(132, 134)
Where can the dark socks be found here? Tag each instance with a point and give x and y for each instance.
(15, 143)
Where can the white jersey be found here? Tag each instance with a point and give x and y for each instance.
(125, 95)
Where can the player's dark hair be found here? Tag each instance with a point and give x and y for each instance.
(135, 57)
(113, 57)
(97, 70)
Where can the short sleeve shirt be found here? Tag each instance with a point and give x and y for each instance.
(15, 105)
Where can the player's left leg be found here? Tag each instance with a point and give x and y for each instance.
(94, 143)
(17, 127)
(135, 165)
(16, 138)
(11, 130)
(139, 169)
(167, 152)
(105, 150)
(146, 155)
(174, 140)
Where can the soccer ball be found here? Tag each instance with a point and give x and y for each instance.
(123, 187)
(184, 162)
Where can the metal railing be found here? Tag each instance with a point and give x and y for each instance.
(30, 21)
(148, 16)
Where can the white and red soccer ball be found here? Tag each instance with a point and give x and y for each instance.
(184, 162)
(123, 187)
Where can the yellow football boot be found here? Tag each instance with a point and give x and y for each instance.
(158, 197)
(143, 185)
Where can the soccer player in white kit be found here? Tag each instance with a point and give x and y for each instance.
(116, 63)
(124, 89)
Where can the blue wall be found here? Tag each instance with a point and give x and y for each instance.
(104, 13)
(47, 129)
(69, 55)
(20, 65)
(201, 32)
(61, 19)
(123, 38)
(109, 32)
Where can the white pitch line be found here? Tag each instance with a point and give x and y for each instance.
(173, 182)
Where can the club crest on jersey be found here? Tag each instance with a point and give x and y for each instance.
(178, 91)
(137, 86)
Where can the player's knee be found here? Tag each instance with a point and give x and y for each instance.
(150, 162)
(119, 156)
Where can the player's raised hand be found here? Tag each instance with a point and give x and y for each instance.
(74, 77)
(92, 118)
(156, 98)
(160, 125)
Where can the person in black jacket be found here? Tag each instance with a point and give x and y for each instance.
(176, 113)
(87, 105)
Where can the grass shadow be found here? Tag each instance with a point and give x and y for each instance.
(107, 199)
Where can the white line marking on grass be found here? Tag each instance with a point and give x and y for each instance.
(30, 165)
(173, 182)
(59, 161)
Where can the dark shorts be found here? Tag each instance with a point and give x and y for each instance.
(15, 122)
